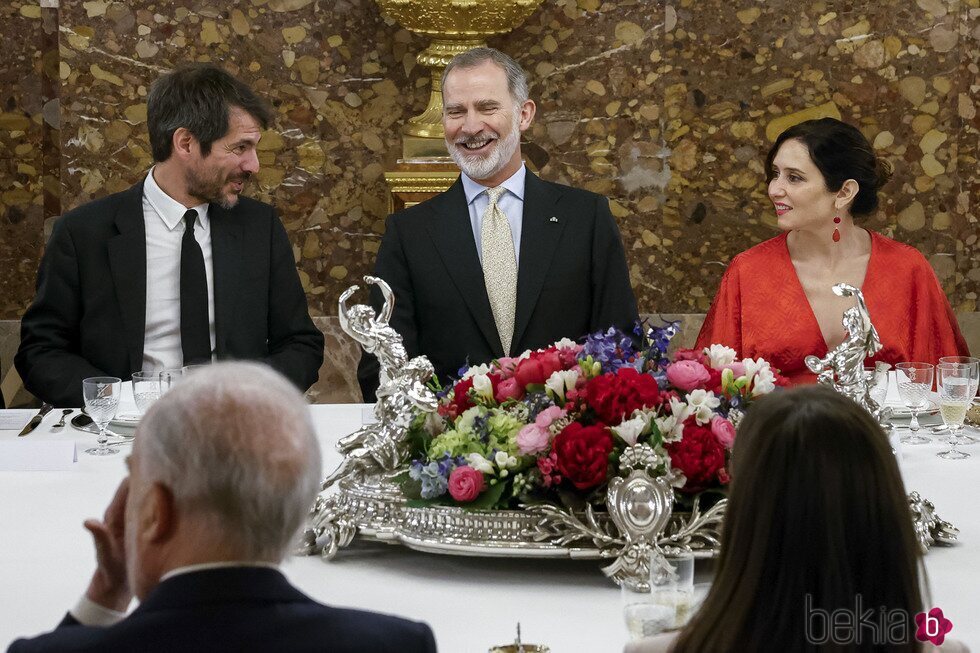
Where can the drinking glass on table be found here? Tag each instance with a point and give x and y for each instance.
(168, 378)
(914, 385)
(146, 390)
(957, 385)
(964, 360)
(667, 606)
(101, 395)
(878, 382)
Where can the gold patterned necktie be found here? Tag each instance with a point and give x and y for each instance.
(499, 267)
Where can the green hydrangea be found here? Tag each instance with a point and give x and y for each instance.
(503, 429)
(455, 443)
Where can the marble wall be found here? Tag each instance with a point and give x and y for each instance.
(665, 107)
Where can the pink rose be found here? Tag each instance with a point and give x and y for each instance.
(688, 355)
(723, 430)
(549, 415)
(532, 439)
(687, 375)
(465, 484)
(508, 389)
(507, 366)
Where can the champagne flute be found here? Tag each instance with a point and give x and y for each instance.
(965, 360)
(101, 395)
(914, 384)
(957, 386)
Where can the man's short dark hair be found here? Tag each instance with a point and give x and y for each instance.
(197, 97)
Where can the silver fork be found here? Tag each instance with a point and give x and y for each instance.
(61, 422)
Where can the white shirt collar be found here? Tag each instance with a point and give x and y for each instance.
(170, 210)
(514, 184)
(216, 565)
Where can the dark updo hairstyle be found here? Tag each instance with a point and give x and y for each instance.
(817, 516)
(840, 152)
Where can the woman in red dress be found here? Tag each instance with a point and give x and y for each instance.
(775, 300)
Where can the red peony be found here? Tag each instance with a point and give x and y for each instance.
(465, 484)
(614, 396)
(582, 454)
(700, 456)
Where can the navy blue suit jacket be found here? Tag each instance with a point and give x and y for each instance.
(572, 278)
(88, 317)
(235, 610)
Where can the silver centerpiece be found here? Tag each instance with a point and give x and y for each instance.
(635, 530)
(843, 366)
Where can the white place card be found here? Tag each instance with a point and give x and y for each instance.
(37, 455)
(15, 420)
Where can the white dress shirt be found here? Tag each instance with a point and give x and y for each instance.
(511, 203)
(164, 224)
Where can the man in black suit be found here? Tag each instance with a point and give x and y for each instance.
(502, 261)
(178, 269)
(223, 471)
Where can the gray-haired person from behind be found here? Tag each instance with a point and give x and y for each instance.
(223, 472)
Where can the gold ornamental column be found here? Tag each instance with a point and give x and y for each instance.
(424, 168)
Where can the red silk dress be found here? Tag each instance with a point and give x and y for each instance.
(762, 311)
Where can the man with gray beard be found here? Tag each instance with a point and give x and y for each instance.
(179, 269)
(502, 261)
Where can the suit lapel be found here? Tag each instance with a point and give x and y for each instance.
(127, 264)
(452, 234)
(539, 242)
(226, 261)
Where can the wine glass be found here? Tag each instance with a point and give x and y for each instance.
(146, 390)
(957, 385)
(877, 383)
(964, 360)
(101, 394)
(914, 384)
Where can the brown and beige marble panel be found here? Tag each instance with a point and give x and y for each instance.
(21, 159)
(967, 201)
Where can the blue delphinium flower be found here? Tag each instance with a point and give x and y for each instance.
(612, 349)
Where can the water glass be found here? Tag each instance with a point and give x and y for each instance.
(146, 390)
(169, 378)
(101, 395)
(877, 383)
(668, 604)
(957, 385)
(914, 385)
(964, 360)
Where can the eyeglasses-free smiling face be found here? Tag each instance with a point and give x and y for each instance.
(483, 124)
(798, 189)
(220, 176)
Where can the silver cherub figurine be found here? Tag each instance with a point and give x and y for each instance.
(380, 447)
(843, 366)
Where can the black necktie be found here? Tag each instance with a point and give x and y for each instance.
(195, 330)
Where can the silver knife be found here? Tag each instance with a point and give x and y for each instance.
(36, 420)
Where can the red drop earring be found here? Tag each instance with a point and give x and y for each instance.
(836, 231)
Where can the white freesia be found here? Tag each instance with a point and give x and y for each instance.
(631, 429)
(479, 463)
(564, 343)
(677, 478)
(672, 426)
(561, 382)
(703, 404)
(764, 380)
(476, 369)
(483, 386)
(720, 356)
(504, 462)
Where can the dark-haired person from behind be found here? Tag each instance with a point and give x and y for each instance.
(817, 522)
(775, 299)
(179, 269)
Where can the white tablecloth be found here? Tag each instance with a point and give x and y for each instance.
(46, 558)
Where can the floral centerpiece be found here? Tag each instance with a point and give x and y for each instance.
(550, 425)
